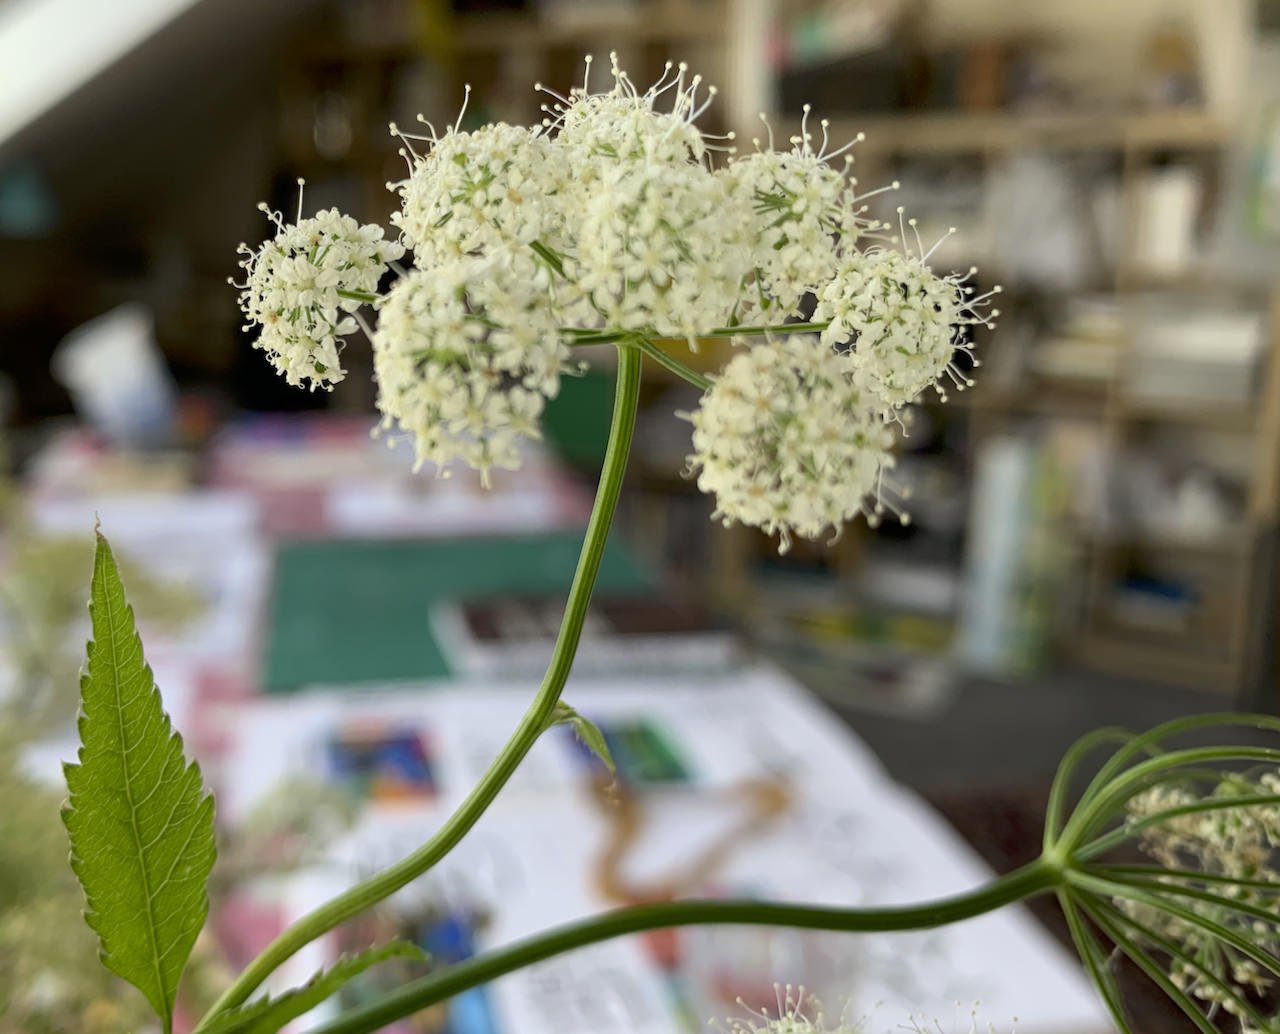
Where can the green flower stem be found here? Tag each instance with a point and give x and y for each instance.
(777, 328)
(1036, 878)
(1062, 781)
(1102, 913)
(669, 362)
(1162, 904)
(1148, 965)
(584, 339)
(1160, 873)
(1224, 902)
(582, 336)
(1149, 742)
(1095, 959)
(1130, 829)
(385, 883)
(1105, 802)
(357, 296)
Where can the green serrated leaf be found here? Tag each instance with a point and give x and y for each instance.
(586, 730)
(267, 1015)
(139, 817)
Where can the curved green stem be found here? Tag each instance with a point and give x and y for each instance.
(1092, 840)
(1149, 741)
(385, 883)
(1036, 878)
(1095, 960)
(1104, 913)
(1160, 903)
(1148, 965)
(1159, 872)
(1222, 902)
(1128, 830)
(1062, 780)
(1104, 801)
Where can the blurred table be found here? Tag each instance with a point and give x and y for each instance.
(318, 560)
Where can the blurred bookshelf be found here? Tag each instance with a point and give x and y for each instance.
(363, 64)
(986, 132)
(378, 61)
(1105, 580)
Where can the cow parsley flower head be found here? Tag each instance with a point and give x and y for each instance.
(902, 321)
(966, 1022)
(804, 210)
(662, 249)
(797, 1012)
(624, 124)
(302, 286)
(466, 355)
(474, 192)
(787, 441)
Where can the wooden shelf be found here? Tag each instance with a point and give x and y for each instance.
(1037, 398)
(527, 31)
(1235, 546)
(1129, 656)
(1215, 416)
(966, 132)
(636, 23)
(367, 52)
(1100, 400)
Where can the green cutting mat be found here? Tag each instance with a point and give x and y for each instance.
(348, 611)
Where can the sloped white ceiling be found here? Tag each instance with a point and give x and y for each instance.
(50, 48)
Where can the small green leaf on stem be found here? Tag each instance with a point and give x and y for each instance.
(268, 1014)
(586, 730)
(139, 817)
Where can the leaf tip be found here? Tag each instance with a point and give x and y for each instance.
(102, 544)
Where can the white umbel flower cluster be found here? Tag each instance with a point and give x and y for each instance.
(302, 286)
(662, 245)
(617, 220)
(805, 214)
(902, 322)
(493, 189)
(622, 124)
(787, 441)
(663, 249)
(1226, 844)
(466, 356)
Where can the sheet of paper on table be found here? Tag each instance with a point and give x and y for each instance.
(704, 762)
(330, 476)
